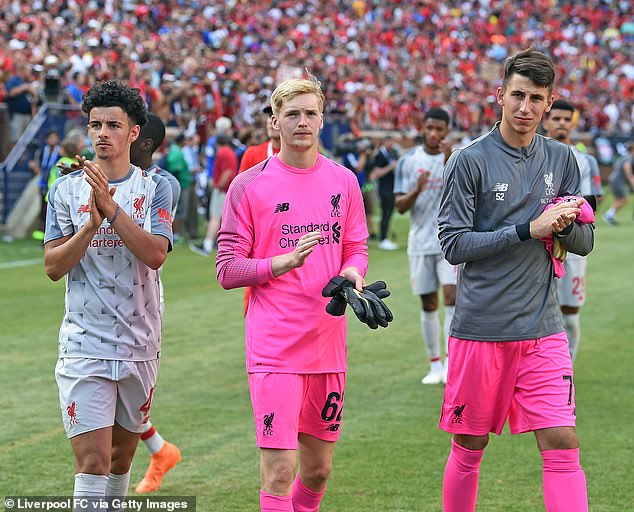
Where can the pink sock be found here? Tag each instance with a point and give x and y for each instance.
(305, 499)
(270, 503)
(564, 482)
(460, 484)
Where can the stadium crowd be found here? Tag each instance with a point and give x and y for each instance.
(382, 62)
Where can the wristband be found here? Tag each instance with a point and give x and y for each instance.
(114, 217)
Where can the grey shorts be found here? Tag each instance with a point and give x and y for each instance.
(216, 203)
(96, 393)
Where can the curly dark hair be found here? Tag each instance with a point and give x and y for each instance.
(114, 93)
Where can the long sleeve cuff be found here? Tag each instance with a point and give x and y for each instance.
(523, 231)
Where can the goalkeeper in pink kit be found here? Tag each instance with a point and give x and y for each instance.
(289, 225)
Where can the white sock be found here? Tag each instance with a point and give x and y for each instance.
(153, 441)
(430, 327)
(447, 325)
(436, 366)
(117, 488)
(611, 213)
(208, 245)
(90, 485)
(572, 324)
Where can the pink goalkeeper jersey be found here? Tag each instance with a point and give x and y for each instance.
(267, 209)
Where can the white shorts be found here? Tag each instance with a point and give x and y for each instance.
(427, 272)
(96, 393)
(216, 203)
(571, 288)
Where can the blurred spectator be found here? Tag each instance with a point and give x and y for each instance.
(384, 164)
(622, 183)
(225, 169)
(21, 94)
(176, 165)
(72, 147)
(383, 63)
(191, 152)
(357, 155)
(257, 153)
(43, 160)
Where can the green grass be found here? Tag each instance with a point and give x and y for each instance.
(391, 454)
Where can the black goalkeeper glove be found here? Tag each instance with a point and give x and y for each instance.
(366, 304)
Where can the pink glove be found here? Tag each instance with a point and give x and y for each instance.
(585, 217)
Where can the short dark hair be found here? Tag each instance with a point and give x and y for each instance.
(561, 105)
(222, 140)
(533, 64)
(114, 93)
(437, 113)
(154, 130)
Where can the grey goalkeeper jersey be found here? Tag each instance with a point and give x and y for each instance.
(506, 285)
(112, 299)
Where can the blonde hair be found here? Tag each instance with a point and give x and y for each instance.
(288, 89)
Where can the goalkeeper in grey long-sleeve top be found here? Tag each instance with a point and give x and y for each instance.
(508, 353)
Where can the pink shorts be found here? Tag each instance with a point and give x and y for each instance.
(529, 382)
(285, 404)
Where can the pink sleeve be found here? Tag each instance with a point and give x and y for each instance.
(234, 268)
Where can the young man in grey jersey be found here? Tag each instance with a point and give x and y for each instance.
(571, 288)
(417, 188)
(108, 232)
(509, 355)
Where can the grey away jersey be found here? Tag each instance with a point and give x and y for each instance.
(112, 299)
(590, 180)
(506, 287)
(423, 231)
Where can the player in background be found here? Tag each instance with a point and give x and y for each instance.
(108, 231)
(571, 288)
(286, 245)
(165, 455)
(418, 187)
(385, 159)
(509, 353)
(622, 183)
(260, 152)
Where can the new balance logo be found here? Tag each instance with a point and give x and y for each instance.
(282, 207)
(84, 208)
(332, 428)
(500, 189)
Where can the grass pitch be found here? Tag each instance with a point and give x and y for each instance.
(391, 455)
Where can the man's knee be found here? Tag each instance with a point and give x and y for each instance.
(558, 438)
(277, 477)
(315, 478)
(93, 462)
(471, 442)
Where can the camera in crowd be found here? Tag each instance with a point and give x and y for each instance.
(350, 144)
(53, 86)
